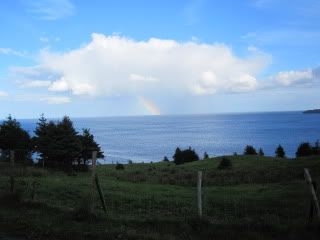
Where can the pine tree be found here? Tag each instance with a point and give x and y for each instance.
(13, 137)
(177, 157)
(304, 150)
(88, 144)
(261, 153)
(250, 150)
(280, 152)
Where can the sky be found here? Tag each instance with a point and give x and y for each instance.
(141, 57)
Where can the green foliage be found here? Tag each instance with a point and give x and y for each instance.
(250, 150)
(88, 144)
(261, 153)
(304, 150)
(225, 163)
(280, 152)
(205, 155)
(188, 155)
(60, 145)
(13, 137)
(119, 166)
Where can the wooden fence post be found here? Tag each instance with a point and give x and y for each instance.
(103, 202)
(199, 193)
(313, 192)
(93, 180)
(12, 171)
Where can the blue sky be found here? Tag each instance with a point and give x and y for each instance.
(102, 58)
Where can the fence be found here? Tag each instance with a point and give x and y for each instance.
(138, 192)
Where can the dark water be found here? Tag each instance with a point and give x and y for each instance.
(150, 138)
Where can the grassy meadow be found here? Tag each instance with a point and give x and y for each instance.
(257, 198)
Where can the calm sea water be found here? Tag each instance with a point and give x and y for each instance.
(150, 138)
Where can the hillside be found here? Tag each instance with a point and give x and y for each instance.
(258, 198)
(312, 111)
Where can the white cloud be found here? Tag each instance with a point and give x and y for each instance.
(58, 86)
(3, 94)
(56, 99)
(290, 78)
(10, 51)
(138, 78)
(115, 65)
(36, 84)
(50, 9)
(44, 39)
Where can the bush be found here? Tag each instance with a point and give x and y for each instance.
(304, 150)
(119, 166)
(250, 150)
(225, 163)
(280, 153)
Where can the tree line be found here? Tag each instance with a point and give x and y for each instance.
(305, 149)
(57, 143)
(189, 155)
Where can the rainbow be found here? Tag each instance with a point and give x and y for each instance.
(150, 106)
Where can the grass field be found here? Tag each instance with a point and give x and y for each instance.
(258, 198)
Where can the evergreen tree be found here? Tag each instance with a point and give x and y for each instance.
(188, 155)
(13, 137)
(304, 150)
(42, 139)
(88, 144)
(316, 148)
(250, 150)
(57, 143)
(68, 145)
(177, 157)
(280, 152)
(261, 153)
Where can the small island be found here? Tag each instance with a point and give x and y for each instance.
(312, 111)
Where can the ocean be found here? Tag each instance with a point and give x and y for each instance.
(150, 138)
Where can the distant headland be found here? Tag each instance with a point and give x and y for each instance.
(312, 111)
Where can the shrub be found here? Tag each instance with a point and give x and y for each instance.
(305, 149)
(250, 150)
(225, 163)
(119, 166)
(280, 152)
(165, 159)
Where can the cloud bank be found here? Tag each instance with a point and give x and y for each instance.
(115, 65)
